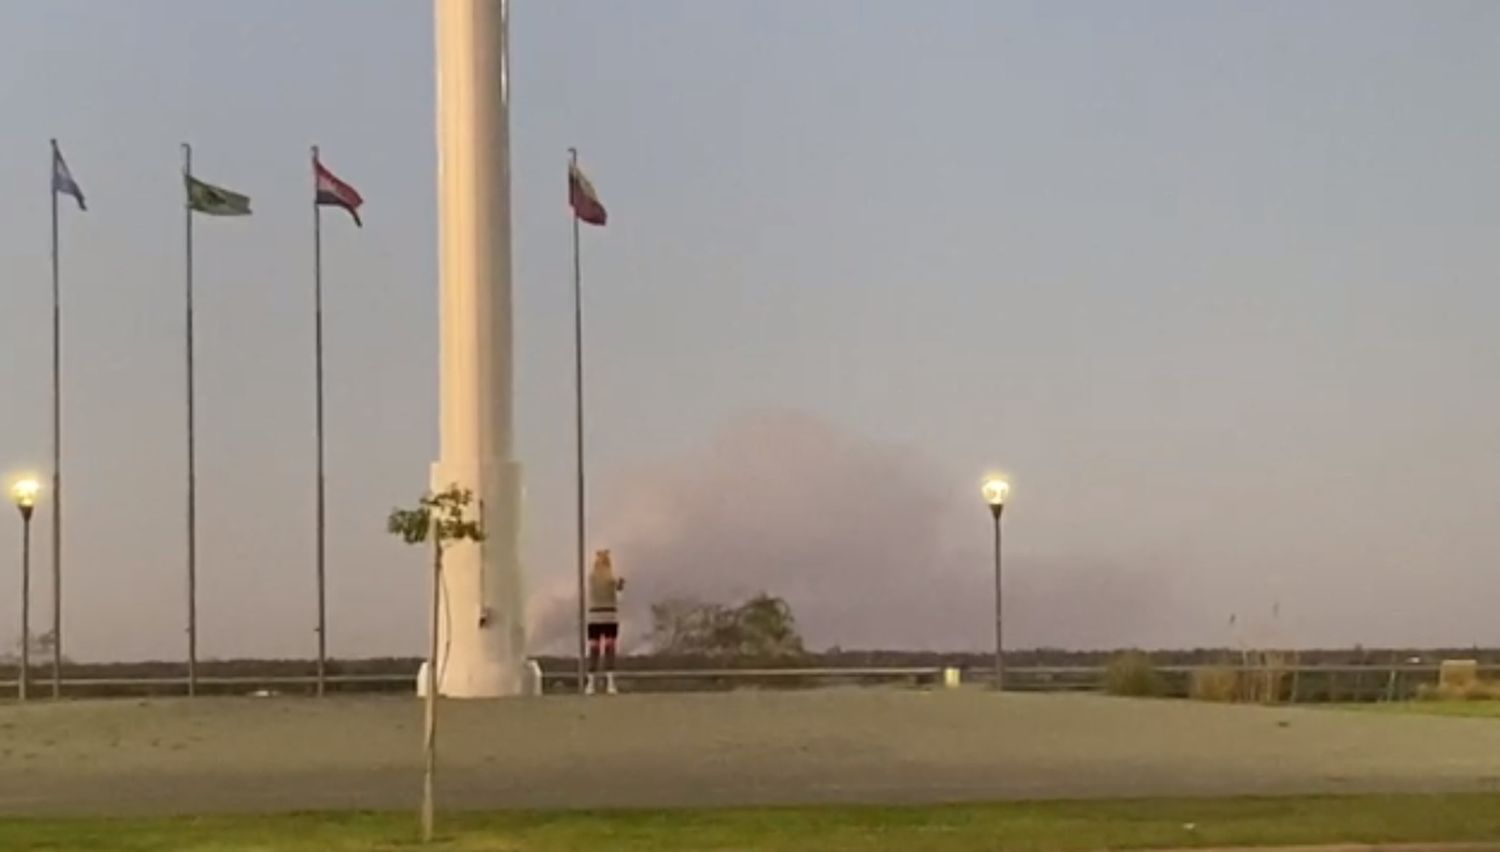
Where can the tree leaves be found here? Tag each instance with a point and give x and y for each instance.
(440, 517)
(762, 627)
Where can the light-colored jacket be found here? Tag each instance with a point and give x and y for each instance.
(604, 591)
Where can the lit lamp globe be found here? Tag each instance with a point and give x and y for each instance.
(995, 491)
(25, 492)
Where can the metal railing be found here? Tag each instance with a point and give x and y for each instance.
(1303, 683)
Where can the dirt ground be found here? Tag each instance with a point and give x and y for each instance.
(743, 748)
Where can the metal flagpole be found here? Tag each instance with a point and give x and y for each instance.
(192, 485)
(578, 431)
(318, 371)
(56, 445)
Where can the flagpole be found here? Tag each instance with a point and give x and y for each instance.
(318, 371)
(192, 485)
(56, 446)
(578, 434)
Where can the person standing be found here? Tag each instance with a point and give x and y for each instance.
(603, 621)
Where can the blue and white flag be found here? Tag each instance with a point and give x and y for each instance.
(62, 179)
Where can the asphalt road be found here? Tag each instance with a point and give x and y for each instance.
(849, 745)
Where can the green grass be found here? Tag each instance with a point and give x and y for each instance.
(1472, 709)
(1007, 826)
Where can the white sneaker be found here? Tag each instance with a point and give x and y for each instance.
(588, 686)
(609, 684)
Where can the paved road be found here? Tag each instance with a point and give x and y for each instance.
(864, 745)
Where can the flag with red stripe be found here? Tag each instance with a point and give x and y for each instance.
(332, 192)
(584, 200)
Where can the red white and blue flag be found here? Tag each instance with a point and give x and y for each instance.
(332, 192)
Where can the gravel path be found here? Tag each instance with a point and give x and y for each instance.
(855, 745)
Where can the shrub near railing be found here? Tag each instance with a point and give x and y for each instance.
(1214, 683)
(1133, 674)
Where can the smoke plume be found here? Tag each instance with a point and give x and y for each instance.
(867, 541)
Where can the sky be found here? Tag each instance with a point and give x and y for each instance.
(1213, 283)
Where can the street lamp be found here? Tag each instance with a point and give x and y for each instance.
(995, 490)
(24, 492)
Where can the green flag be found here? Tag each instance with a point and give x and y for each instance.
(215, 200)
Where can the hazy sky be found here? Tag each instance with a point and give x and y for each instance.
(1214, 281)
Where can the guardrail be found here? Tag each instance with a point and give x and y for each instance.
(1312, 683)
(556, 680)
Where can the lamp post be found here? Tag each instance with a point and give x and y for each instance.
(995, 491)
(25, 492)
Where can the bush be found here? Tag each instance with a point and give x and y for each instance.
(1132, 674)
(1265, 680)
(1458, 675)
(1214, 683)
(761, 628)
(1477, 690)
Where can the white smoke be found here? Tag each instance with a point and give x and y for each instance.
(865, 540)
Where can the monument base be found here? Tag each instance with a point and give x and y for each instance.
(492, 683)
(481, 617)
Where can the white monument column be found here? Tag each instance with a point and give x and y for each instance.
(482, 639)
